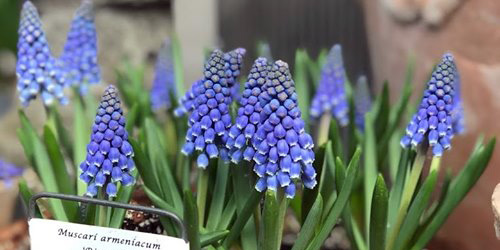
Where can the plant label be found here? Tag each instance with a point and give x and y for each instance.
(57, 235)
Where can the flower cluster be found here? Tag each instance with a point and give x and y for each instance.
(330, 94)
(164, 79)
(209, 123)
(283, 150)
(38, 72)
(232, 63)
(362, 102)
(242, 133)
(434, 116)
(80, 51)
(457, 115)
(109, 154)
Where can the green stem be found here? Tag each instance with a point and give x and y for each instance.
(103, 211)
(324, 128)
(408, 191)
(201, 197)
(273, 218)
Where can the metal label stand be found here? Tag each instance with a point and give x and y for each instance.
(85, 237)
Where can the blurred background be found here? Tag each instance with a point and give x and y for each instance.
(378, 37)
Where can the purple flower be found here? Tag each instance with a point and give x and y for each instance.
(457, 115)
(242, 133)
(9, 171)
(433, 121)
(164, 79)
(38, 72)
(80, 51)
(209, 123)
(362, 102)
(330, 94)
(283, 150)
(232, 63)
(109, 154)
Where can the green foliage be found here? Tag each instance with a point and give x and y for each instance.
(364, 177)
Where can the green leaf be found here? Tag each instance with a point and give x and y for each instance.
(416, 210)
(65, 185)
(370, 168)
(124, 195)
(43, 166)
(273, 218)
(26, 195)
(310, 224)
(178, 67)
(219, 196)
(340, 203)
(191, 221)
(336, 139)
(160, 164)
(144, 167)
(228, 213)
(132, 118)
(460, 186)
(81, 135)
(62, 135)
(210, 238)
(378, 220)
(397, 188)
(383, 111)
(235, 231)
(242, 186)
(159, 202)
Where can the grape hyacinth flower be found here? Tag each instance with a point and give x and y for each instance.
(433, 120)
(109, 154)
(80, 51)
(164, 79)
(283, 150)
(38, 72)
(457, 116)
(362, 102)
(242, 133)
(209, 123)
(8, 172)
(233, 61)
(330, 94)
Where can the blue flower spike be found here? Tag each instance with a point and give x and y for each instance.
(164, 78)
(242, 133)
(433, 121)
(283, 150)
(38, 72)
(210, 121)
(109, 154)
(457, 116)
(80, 51)
(232, 63)
(362, 102)
(330, 94)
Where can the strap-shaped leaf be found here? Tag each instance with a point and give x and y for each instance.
(310, 224)
(340, 203)
(191, 221)
(378, 220)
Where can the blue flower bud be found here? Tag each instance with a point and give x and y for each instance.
(109, 154)
(80, 51)
(362, 102)
(330, 94)
(434, 119)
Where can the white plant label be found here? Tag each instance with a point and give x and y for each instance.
(57, 235)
